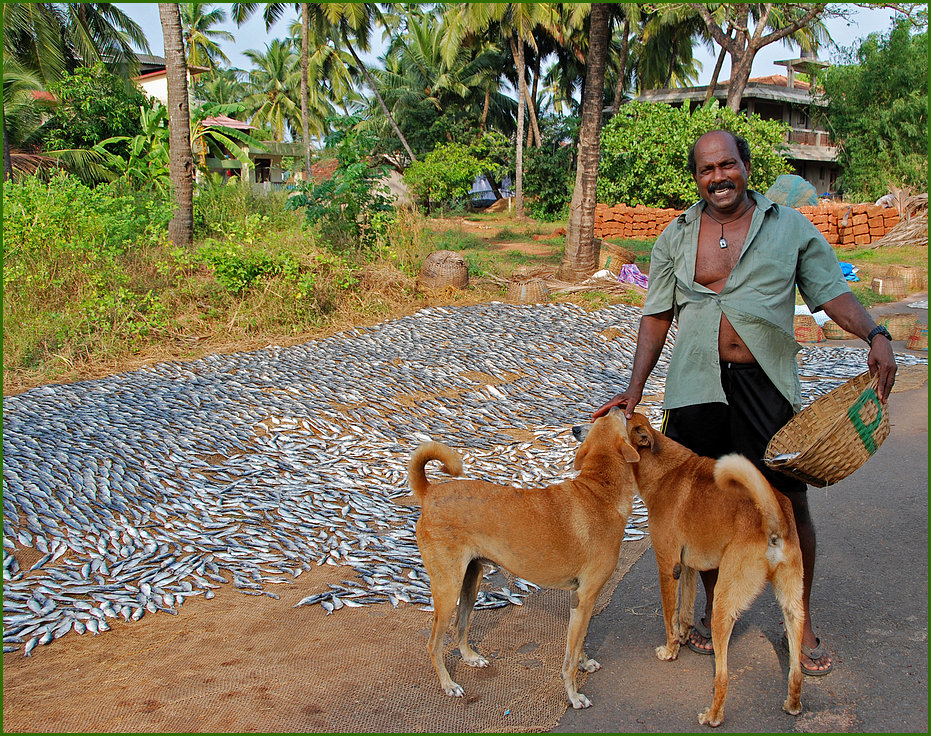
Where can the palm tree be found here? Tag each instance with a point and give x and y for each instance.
(180, 158)
(516, 22)
(223, 87)
(580, 257)
(200, 37)
(48, 39)
(275, 85)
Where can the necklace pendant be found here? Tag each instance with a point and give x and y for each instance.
(722, 242)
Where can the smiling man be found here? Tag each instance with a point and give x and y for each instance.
(726, 270)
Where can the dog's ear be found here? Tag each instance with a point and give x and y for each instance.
(641, 436)
(628, 451)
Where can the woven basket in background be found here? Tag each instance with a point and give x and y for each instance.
(916, 279)
(806, 329)
(833, 331)
(918, 340)
(893, 286)
(533, 291)
(899, 325)
(443, 268)
(612, 256)
(832, 437)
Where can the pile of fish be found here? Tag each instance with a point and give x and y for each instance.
(128, 495)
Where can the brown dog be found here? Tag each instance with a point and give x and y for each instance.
(722, 514)
(566, 535)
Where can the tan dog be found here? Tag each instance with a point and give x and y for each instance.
(566, 535)
(707, 514)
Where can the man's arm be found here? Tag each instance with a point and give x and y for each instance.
(650, 341)
(850, 314)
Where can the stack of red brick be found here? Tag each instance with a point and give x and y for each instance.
(843, 225)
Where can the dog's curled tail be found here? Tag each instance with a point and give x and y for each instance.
(452, 464)
(738, 469)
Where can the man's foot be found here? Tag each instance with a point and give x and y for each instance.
(815, 661)
(700, 638)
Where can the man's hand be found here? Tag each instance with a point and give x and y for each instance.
(881, 361)
(627, 401)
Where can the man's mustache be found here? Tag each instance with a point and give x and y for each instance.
(720, 185)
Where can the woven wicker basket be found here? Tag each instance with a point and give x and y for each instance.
(899, 325)
(833, 331)
(832, 437)
(444, 268)
(807, 329)
(613, 256)
(916, 279)
(533, 291)
(893, 286)
(918, 340)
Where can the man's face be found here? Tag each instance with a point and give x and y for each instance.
(720, 173)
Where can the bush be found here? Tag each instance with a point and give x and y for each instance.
(345, 205)
(549, 171)
(444, 176)
(644, 152)
(94, 105)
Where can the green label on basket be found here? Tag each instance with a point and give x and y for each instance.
(866, 431)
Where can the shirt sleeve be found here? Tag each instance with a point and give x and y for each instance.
(661, 292)
(819, 276)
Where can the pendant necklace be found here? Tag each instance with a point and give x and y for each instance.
(723, 241)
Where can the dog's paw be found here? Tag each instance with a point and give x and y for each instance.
(589, 665)
(705, 719)
(792, 708)
(455, 690)
(667, 653)
(477, 661)
(580, 701)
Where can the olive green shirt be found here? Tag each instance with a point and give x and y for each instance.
(783, 249)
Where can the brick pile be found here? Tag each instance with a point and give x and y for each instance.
(843, 225)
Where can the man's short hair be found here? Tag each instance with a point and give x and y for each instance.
(743, 148)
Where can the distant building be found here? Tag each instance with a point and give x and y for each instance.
(777, 97)
(153, 79)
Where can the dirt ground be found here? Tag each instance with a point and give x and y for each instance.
(244, 664)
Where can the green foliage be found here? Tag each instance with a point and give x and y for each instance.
(877, 113)
(94, 105)
(644, 152)
(345, 205)
(549, 171)
(63, 279)
(141, 162)
(238, 266)
(444, 176)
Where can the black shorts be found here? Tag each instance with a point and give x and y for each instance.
(754, 412)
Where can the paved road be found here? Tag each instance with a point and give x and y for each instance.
(870, 605)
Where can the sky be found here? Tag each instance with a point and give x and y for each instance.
(252, 35)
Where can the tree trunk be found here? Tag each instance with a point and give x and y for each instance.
(485, 108)
(180, 158)
(381, 102)
(517, 50)
(534, 132)
(494, 185)
(740, 74)
(305, 113)
(622, 69)
(580, 259)
(7, 159)
(714, 76)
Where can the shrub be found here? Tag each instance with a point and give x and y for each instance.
(644, 152)
(444, 176)
(549, 171)
(345, 205)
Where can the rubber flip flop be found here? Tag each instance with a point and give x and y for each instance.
(814, 654)
(705, 633)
